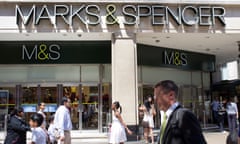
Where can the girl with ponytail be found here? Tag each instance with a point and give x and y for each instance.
(118, 134)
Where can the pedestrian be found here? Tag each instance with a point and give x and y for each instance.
(39, 135)
(232, 114)
(222, 114)
(51, 131)
(16, 127)
(117, 132)
(62, 121)
(178, 125)
(148, 122)
(41, 106)
(215, 105)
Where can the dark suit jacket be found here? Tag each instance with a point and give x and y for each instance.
(16, 131)
(183, 129)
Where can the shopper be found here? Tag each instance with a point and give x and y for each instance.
(117, 132)
(148, 122)
(222, 114)
(39, 135)
(62, 121)
(232, 114)
(178, 125)
(41, 106)
(51, 131)
(215, 106)
(16, 128)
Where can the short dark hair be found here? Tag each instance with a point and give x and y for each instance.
(64, 99)
(39, 104)
(16, 111)
(36, 117)
(167, 86)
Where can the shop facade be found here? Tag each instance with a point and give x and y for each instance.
(93, 53)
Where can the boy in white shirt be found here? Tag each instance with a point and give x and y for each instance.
(39, 136)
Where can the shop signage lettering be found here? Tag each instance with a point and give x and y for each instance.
(132, 14)
(175, 58)
(41, 52)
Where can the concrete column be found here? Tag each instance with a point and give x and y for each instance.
(124, 76)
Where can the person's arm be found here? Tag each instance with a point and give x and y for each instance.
(18, 125)
(236, 109)
(153, 110)
(118, 115)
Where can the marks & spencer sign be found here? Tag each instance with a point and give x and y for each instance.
(116, 14)
(174, 58)
(55, 52)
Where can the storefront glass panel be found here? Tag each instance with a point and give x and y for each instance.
(89, 73)
(29, 100)
(90, 107)
(106, 107)
(72, 92)
(193, 86)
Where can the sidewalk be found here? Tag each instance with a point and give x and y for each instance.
(93, 138)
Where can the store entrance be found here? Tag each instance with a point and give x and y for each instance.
(90, 107)
(190, 97)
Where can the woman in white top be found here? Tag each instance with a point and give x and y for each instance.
(117, 132)
(41, 106)
(148, 123)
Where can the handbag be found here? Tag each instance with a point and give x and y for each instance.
(145, 124)
(56, 133)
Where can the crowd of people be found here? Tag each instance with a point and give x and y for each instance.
(226, 109)
(57, 132)
(178, 125)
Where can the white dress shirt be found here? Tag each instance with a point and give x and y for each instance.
(62, 119)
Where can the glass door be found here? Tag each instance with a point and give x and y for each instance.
(49, 95)
(29, 99)
(191, 98)
(90, 107)
(72, 91)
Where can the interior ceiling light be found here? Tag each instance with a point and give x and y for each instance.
(79, 35)
(157, 41)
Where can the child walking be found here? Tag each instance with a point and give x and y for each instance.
(39, 136)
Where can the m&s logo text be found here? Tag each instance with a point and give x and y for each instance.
(41, 52)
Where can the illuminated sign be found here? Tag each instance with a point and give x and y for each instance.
(131, 14)
(175, 58)
(41, 52)
(55, 52)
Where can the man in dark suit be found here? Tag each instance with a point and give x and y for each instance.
(178, 125)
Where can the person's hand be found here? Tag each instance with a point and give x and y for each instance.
(61, 138)
(129, 132)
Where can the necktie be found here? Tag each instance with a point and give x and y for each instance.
(163, 126)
